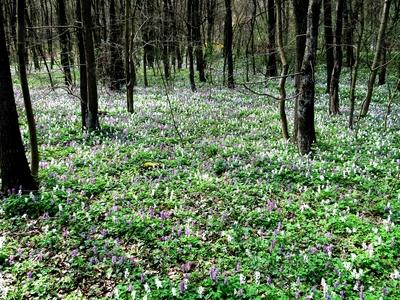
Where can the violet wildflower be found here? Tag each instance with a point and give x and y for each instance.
(362, 297)
(74, 253)
(182, 287)
(29, 275)
(214, 274)
(113, 259)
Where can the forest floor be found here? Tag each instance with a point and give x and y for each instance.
(209, 202)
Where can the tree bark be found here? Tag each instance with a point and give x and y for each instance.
(15, 172)
(285, 69)
(306, 130)
(271, 65)
(92, 121)
(337, 68)
(228, 55)
(82, 66)
(197, 40)
(300, 13)
(25, 88)
(358, 16)
(116, 63)
(190, 44)
(375, 64)
(328, 42)
(65, 44)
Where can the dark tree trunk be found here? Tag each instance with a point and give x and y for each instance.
(129, 63)
(92, 121)
(197, 40)
(358, 17)
(382, 71)
(190, 44)
(284, 73)
(337, 68)
(82, 65)
(328, 42)
(300, 14)
(348, 33)
(271, 65)
(228, 55)
(65, 44)
(378, 52)
(306, 131)
(116, 64)
(15, 172)
(166, 37)
(25, 89)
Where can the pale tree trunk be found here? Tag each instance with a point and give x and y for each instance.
(306, 129)
(375, 64)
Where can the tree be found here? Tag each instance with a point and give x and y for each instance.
(65, 44)
(189, 24)
(92, 121)
(378, 52)
(300, 13)
(271, 65)
(228, 42)
(116, 63)
(305, 112)
(82, 65)
(21, 52)
(285, 69)
(197, 40)
(15, 172)
(338, 56)
(328, 42)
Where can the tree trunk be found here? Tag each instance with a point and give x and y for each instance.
(328, 42)
(337, 68)
(382, 63)
(228, 55)
(65, 45)
(375, 64)
(348, 33)
(116, 63)
(284, 73)
(25, 88)
(306, 131)
(197, 40)
(92, 121)
(300, 14)
(166, 26)
(15, 172)
(190, 44)
(82, 65)
(271, 65)
(358, 15)
(128, 58)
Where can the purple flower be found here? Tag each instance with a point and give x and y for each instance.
(74, 253)
(29, 275)
(214, 273)
(182, 287)
(362, 292)
(113, 259)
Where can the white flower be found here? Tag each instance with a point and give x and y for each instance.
(201, 290)
(126, 273)
(242, 279)
(173, 291)
(147, 288)
(347, 265)
(257, 276)
(158, 283)
(324, 286)
(395, 275)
